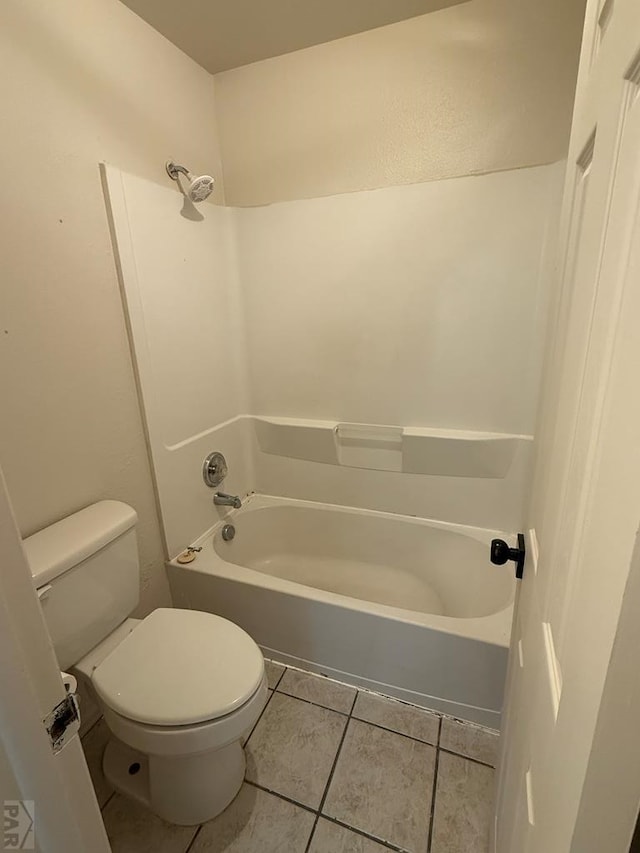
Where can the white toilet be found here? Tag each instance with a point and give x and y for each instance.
(179, 690)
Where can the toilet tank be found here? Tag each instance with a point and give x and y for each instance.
(86, 571)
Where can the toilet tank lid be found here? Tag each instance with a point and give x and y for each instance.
(61, 546)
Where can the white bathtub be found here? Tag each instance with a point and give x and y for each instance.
(406, 606)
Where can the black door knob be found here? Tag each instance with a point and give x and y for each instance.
(502, 553)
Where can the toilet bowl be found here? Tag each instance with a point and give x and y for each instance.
(180, 690)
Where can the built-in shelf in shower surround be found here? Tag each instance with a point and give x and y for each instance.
(410, 450)
(413, 305)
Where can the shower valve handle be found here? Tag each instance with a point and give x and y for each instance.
(502, 553)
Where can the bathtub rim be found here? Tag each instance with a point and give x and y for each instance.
(494, 629)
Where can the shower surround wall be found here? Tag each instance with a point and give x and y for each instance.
(413, 306)
(187, 332)
(419, 305)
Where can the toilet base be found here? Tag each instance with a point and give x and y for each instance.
(119, 767)
(183, 790)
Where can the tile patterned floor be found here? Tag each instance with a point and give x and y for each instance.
(331, 769)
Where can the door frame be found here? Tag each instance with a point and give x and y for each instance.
(610, 800)
(66, 813)
(598, 812)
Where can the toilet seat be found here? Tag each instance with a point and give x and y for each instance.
(181, 741)
(179, 668)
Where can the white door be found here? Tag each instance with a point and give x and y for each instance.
(53, 790)
(585, 508)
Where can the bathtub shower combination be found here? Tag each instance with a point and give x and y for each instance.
(408, 607)
(367, 364)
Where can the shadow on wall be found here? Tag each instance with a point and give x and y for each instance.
(190, 211)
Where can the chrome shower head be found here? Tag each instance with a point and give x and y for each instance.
(200, 186)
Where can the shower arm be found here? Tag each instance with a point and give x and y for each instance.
(200, 186)
(174, 169)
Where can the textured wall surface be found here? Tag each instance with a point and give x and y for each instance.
(480, 87)
(94, 83)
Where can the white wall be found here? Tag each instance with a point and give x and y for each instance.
(180, 278)
(479, 87)
(419, 305)
(81, 82)
(92, 82)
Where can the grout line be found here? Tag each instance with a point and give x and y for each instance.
(433, 796)
(437, 716)
(353, 704)
(315, 823)
(440, 715)
(388, 844)
(281, 796)
(329, 780)
(402, 734)
(424, 708)
(108, 800)
(193, 840)
(467, 758)
(471, 725)
(318, 812)
(333, 767)
(311, 702)
(280, 677)
(313, 832)
(318, 675)
(266, 705)
(91, 728)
